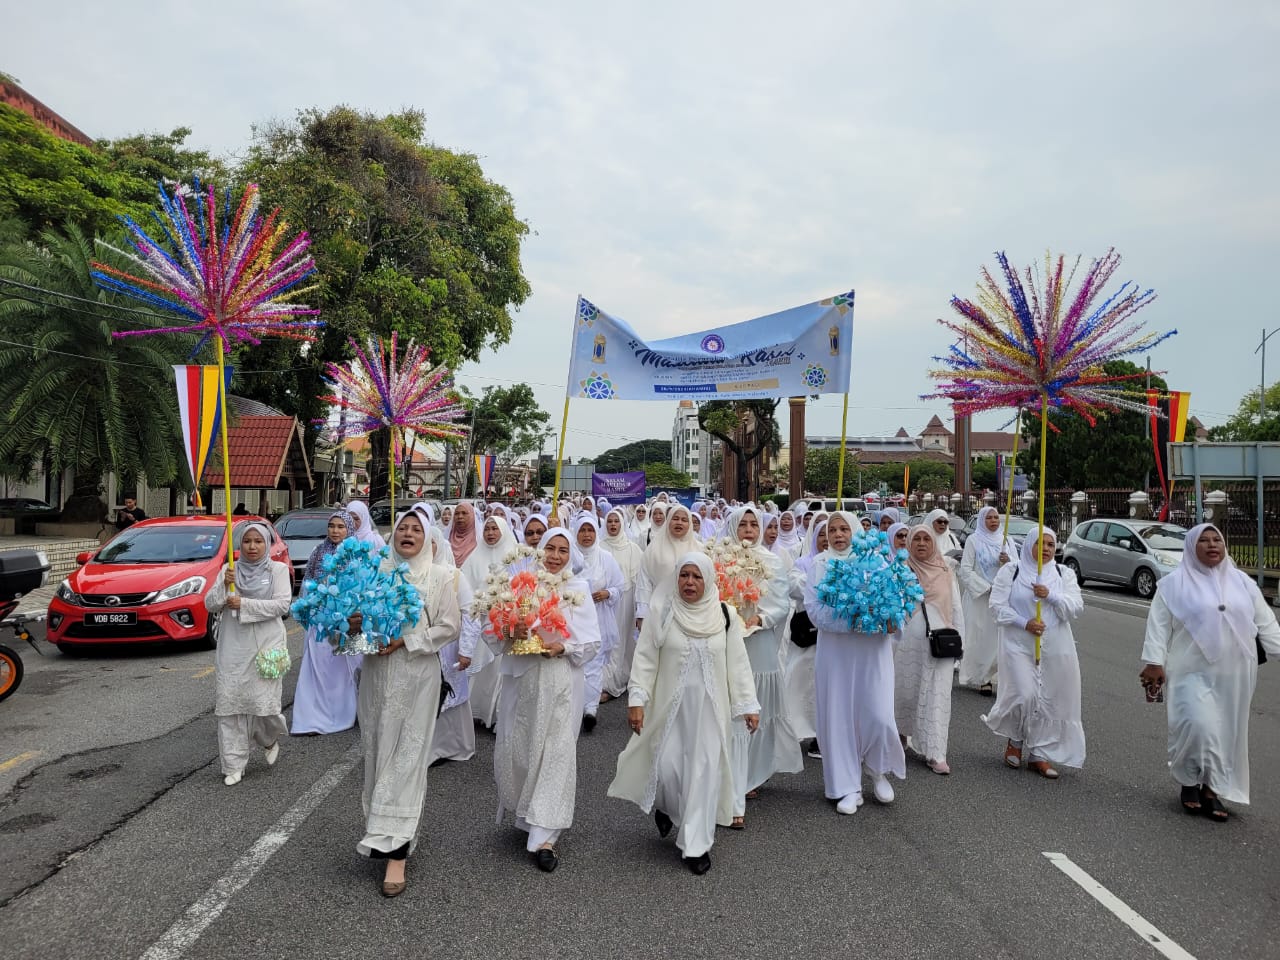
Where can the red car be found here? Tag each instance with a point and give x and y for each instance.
(148, 583)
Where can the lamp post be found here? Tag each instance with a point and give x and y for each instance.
(1262, 387)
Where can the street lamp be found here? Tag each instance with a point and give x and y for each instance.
(1262, 391)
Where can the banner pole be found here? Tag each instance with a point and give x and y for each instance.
(226, 456)
(555, 493)
(1044, 450)
(844, 429)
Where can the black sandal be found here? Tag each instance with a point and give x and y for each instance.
(1190, 800)
(1212, 806)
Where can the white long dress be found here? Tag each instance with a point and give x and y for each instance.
(774, 747)
(246, 705)
(1039, 706)
(854, 686)
(922, 682)
(455, 735)
(802, 698)
(617, 671)
(324, 700)
(399, 697)
(692, 689)
(610, 581)
(981, 643)
(535, 759)
(1208, 703)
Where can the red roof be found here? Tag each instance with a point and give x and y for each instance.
(264, 451)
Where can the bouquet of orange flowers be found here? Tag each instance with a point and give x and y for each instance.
(740, 574)
(521, 593)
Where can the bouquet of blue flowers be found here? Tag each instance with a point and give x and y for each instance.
(873, 589)
(354, 581)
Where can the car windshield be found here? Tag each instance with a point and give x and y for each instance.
(315, 527)
(1164, 536)
(1020, 527)
(163, 544)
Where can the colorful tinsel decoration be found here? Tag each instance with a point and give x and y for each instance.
(227, 275)
(1020, 345)
(873, 589)
(380, 388)
(356, 580)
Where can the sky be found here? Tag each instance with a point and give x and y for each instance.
(688, 165)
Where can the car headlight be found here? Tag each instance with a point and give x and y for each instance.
(183, 588)
(67, 595)
(1167, 558)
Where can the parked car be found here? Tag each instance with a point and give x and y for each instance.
(381, 511)
(148, 583)
(1133, 552)
(26, 512)
(302, 531)
(828, 505)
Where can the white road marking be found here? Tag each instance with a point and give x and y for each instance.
(1122, 910)
(187, 930)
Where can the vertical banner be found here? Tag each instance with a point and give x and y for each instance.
(484, 470)
(199, 413)
(1168, 425)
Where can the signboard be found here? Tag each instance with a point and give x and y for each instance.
(619, 487)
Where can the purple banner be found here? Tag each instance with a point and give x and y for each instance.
(619, 487)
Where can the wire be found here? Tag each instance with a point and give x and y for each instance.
(161, 317)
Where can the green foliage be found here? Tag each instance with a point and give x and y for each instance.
(722, 418)
(1244, 426)
(632, 456)
(665, 475)
(70, 395)
(1115, 453)
(821, 471)
(509, 424)
(983, 474)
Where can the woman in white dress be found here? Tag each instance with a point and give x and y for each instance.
(628, 557)
(496, 543)
(604, 578)
(324, 700)
(535, 760)
(399, 700)
(455, 735)
(854, 686)
(1038, 707)
(939, 524)
(774, 747)
(922, 682)
(802, 703)
(657, 519)
(670, 540)
(638, 528)
(691, 679)
(365, 531)
(985, 552)
(246, 704)
(789, 538)
(1205, 626)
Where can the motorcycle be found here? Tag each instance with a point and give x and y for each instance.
(21, 571)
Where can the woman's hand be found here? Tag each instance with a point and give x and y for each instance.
(1004, 558)
(463, 662)
(753, 722)
(639, 622)
(1041, 591)
(233, 602)
(600, 596)
(1036, 627)
(553, 649)
(635, 718)
(355, 622)
(520, 632)
(753, 621)
(1152, 674)
(391, 647)
(228, 578)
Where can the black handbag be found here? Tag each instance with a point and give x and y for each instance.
(944, 643)
(1262, 654)
(803, 633)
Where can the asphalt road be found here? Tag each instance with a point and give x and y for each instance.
(120, 827)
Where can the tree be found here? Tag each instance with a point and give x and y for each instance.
(1245, 427)
(70, 395)
(508, 423)
(407, 236)
(665, 475)
(983, 474)
(632, 456)
(723, 420)
(1115, 453)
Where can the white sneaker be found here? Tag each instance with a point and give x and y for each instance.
(231, 779)
(849, 804)
(884, 792)
(273, 754)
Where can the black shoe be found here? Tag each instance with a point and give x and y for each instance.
(664, 823)
(698, 865)
(547, 860)
(588, 723)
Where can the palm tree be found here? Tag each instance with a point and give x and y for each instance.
(71, 396)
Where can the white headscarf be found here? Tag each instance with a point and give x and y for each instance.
(703, 617)
(476, 567)
(366, 532)
(810, 551)
(945, 540)
(664, 550)
(588, 564)
(854, 526)
(789, 539)
(988, 544)
(1215, 604)
(253, 580)
(420, 565)
(893, 532)
(1022, 593)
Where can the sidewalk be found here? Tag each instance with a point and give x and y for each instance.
(61, 552)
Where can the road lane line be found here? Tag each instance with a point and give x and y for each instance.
(19, 759)
(187, 930)
(1122, 910)
(203, 673)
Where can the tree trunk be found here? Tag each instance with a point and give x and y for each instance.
(379, 452)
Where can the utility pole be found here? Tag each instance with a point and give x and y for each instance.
(1262, 386)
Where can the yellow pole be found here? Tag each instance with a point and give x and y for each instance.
(555, 493)
(844, 429)
(1044, 448)
(1008, 507)
(226, 456)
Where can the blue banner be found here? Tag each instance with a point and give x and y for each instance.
(802, 351)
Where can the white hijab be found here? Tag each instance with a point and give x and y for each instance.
(1215, 604)
(1022, 594)
(703, 617)
(988, 544)
(854, 526)
(789, 539)
(366, 532)
(945, 540)
(664, 549)
(419, 565)
(587, 562)
(476, 567)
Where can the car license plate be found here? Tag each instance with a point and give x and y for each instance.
(110, 619)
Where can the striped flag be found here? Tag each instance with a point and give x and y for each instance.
(199, 411)
(484, 470)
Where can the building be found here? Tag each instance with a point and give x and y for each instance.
(14, 96)
(691, 446)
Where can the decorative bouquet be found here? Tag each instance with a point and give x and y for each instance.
(354, 582)
(740, 574)
(521, 592)
(873, 590)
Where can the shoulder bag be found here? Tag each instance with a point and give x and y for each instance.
(945, 642)
(803, 633)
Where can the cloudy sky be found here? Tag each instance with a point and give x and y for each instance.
(686, 165)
